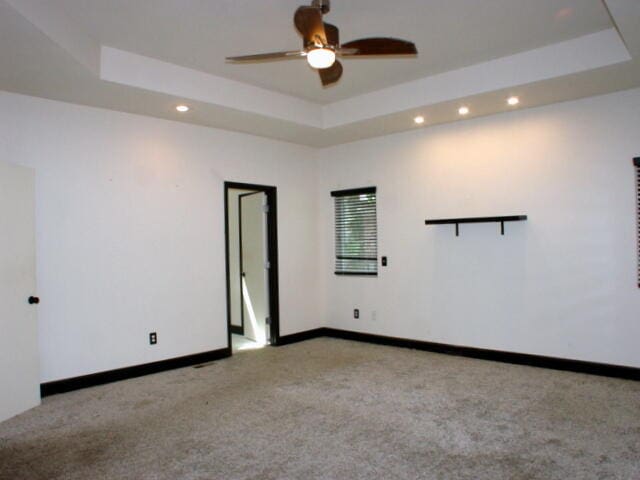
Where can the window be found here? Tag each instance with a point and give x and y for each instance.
(356, 232)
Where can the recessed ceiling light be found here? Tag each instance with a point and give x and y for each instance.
(419, 120)
(463, 110)
(513, 101)
(182, 108)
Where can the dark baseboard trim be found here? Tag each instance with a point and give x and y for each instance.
(580, 366)
(301, 336)
(237, 329)
(100, 378)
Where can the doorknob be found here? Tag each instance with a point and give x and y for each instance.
(33, 300)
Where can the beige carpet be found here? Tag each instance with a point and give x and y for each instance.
(333, 409)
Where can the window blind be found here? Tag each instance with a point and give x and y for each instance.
(356, 232)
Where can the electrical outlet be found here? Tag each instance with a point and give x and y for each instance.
(356, 313)
(384, 261)
(153, 338)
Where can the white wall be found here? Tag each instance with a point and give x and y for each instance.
(561, 284)
(130, 231)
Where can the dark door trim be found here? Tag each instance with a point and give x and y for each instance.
(272, 248)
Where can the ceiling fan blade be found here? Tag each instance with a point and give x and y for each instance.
(261, 57)
(379, 46)
(332, 33)
(308, 21)
(331, 75)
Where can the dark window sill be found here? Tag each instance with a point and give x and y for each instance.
(364, 274)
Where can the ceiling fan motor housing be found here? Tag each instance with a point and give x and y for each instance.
(323, 5)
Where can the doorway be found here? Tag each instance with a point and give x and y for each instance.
(252, 265)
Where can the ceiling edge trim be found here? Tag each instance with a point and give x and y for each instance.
(585, 53)
(135, 70)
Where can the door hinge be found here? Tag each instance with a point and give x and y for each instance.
(265, 208)
(267, 264)
(267, 320)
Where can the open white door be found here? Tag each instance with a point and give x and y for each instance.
(253, 227)
(19, 376)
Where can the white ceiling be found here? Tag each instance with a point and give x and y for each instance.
(147, 56)
(449, 34)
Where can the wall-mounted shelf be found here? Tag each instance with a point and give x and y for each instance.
(458, 221)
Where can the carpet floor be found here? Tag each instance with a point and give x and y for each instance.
(334, 409)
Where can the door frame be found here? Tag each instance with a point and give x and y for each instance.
(272, 249)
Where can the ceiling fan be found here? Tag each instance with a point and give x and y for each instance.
(321, 44)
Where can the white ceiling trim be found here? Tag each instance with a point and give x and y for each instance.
(589, 52)
(150, 74)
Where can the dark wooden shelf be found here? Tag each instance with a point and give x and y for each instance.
(458, 221)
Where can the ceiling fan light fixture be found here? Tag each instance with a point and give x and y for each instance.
(321, 45)
(321, 57)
